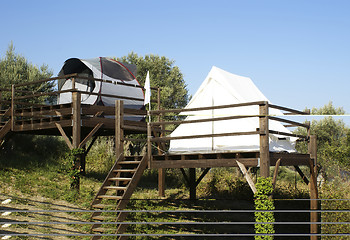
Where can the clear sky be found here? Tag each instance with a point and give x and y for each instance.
(297, 52)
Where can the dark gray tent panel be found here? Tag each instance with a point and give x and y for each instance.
(101, 68)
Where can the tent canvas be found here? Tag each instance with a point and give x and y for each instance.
(101, 68)
(222, 88)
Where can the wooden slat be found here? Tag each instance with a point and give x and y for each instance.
(287, 134)
(293, 123)
(154, 112)
(288, 109)
(204, 120)
(156, 139)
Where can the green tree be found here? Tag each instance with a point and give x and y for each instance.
(15, 69)
(163, 74)
(333, 140)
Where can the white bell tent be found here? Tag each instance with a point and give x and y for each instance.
(106, 69)
(222, 88)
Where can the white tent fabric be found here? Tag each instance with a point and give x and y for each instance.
(101, 68)
(222, 88)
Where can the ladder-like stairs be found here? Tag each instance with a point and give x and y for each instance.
(115, 194)
(5, 124)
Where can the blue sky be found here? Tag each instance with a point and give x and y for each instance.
(296, 52)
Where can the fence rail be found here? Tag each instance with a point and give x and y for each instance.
(202, 225)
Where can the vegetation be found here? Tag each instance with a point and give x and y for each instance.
(37, 167)
(163, 74)
(15, 69)
(333, 142)
(263, 201)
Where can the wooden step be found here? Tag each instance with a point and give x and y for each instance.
(104, 218)
(128, 162)
(100, 229)
(124, 170)
(114, 188)
(110, 197)
(119, 179)
(102, 206)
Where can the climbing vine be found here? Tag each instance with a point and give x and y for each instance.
(74, 169)
(263, 201)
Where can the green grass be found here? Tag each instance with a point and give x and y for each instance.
(26, 171)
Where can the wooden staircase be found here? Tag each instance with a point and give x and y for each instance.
(5, 124)
(115, 194)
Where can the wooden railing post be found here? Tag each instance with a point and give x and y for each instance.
(314, 216)
(119, 125)
(161, 171)
(13, 107)
(264, 140)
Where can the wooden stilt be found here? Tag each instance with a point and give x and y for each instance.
(264, 140)
(76, 132)
(312, 148)
(161, 171)
(192, 181)
(119, 133)
(76, 104)
(161, 182)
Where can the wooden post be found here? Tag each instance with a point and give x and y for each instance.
(192, 183)
(161, 171)
(76, 132)
(12, 107)
(149, 144)
(0, 105)
(312, 149)
(76, 100)
(119, 124)
(264, 140)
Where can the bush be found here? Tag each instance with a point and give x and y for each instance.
(263, 202)
(337, 189)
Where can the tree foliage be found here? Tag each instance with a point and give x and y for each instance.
(163, 74)
(15, 69)
(333, 140)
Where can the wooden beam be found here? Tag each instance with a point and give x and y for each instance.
(64, 135)
(91, 144)
(275, 173)
(87, 138)
(247, 176)
(202, 176)
(185, 176)
(203, 163)
(302, 175)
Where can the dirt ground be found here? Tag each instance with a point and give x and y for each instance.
(8, 202)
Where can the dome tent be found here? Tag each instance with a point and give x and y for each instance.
(105, 69)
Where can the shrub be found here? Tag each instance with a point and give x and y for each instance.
(263, 202)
